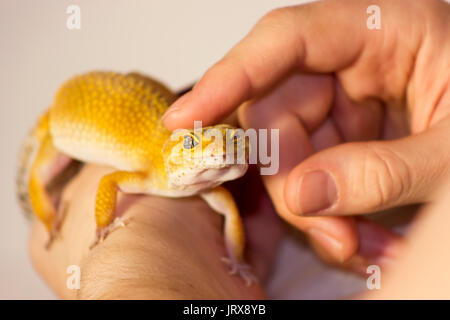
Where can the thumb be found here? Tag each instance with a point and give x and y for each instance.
(357, 178)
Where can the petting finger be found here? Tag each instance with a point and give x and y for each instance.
(297, 38)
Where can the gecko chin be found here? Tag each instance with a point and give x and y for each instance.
(194, 180)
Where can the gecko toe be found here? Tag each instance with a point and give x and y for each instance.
(242, 269)
(102, 233)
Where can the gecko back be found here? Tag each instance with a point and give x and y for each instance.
(110, 118)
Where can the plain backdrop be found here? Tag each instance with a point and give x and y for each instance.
(174, 41)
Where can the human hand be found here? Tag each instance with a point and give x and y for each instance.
(170, 249)
(328, 83)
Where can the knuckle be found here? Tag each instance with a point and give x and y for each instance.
(276, 16)
(387, 176)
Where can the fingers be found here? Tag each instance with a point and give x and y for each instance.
(338, 236)
(377, 242)
(284, 40)
(356, 121)
(377, 245)
(359, 178)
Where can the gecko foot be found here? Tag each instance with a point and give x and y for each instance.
(242, 269)
(102, 233)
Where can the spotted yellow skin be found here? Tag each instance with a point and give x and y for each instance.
(112, 115)
(116, 119)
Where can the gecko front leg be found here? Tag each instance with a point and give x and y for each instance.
(221, 201)
(105, 203)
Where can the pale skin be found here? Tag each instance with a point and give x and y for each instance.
(170, 249)
(378, 71)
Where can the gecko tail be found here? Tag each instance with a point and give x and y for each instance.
(25, 159)
(53, 168)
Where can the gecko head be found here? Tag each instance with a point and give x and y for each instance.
(203, 158)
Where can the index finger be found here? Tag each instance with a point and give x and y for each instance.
(317, 37)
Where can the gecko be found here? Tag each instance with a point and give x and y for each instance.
(115, 119)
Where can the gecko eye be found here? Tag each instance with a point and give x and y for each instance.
(189, 142)
(234, 136)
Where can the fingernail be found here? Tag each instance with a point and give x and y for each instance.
(332, 245)
(316, 192)
(168, 112)
(176, 106)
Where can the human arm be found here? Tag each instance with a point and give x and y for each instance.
(170, 249)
